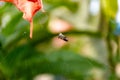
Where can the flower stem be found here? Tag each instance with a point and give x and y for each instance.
(31, 29)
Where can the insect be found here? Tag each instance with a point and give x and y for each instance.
(63, 37)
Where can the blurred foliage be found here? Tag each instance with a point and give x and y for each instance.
(110, 8)
(22, 58)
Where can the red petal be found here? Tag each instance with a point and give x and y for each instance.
(29, 8)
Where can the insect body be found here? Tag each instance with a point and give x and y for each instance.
(61, 36)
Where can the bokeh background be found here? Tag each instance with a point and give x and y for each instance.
(92, 52)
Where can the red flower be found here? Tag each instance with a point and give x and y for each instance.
(29, 8)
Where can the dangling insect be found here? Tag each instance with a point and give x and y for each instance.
(63, 37)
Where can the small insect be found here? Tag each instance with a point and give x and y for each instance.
(63, 37)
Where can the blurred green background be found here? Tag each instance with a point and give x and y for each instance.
(92, 52)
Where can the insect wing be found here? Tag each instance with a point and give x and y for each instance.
(61, 36)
